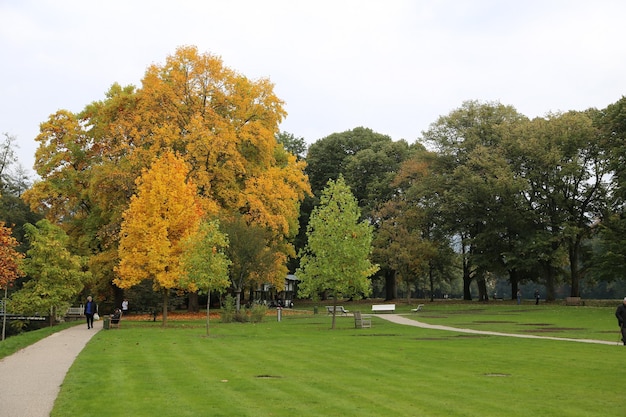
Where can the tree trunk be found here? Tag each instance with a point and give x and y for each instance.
(334, 311)
(574, 272)
(166, 294)
(208, 306)
(193, 306)
(391, 287)
(431, 279)
(514, 279)
(482, 290)
(237, 299)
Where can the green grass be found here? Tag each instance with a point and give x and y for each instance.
(300, 367)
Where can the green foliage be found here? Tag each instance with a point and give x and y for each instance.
(228, 311)
(56, 276)
(336, 257)
(257, 313)
(204, 259)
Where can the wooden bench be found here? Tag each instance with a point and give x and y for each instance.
(418, 308)
(383, 307)
(116, 318)
(573, 301)
(362, 321)
(338, 309)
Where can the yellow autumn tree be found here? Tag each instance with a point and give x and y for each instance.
(164, 211)
(221, 123)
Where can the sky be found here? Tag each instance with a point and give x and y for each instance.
(394, 66)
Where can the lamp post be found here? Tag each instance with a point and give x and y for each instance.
(4, 311)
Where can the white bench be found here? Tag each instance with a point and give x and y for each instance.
(338, 309)
(383, 307)
(418, 308)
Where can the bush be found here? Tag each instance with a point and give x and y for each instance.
(228, 309)
(258, 313)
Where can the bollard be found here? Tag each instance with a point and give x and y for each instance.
(279, 313)
(106, 323)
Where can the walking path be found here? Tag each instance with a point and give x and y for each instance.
(398, 319)
(31, 378)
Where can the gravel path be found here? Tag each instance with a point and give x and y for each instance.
(396, 318)
(31, 378)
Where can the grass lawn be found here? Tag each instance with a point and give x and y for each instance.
(299, 367)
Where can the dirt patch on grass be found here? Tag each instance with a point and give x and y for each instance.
(553, 329)
(492, 321)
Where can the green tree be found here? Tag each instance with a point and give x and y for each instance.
(565, 166)
(56, 276)
(470, 158)
(336, 257)
(253, 258)
(205, 263)
(292, 144)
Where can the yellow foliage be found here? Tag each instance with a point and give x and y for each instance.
(163, 212)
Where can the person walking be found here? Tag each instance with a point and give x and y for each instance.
(125, 306)
(90, 310)
(519, 297)
(620, 314)
(537, 297)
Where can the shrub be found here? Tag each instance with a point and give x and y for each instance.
(258, 313)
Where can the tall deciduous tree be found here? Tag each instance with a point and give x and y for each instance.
(566, 168)
(163, 213)
(220, 122)
(10, 270)
(205, 263)
(469, 146)
(56, 276)
(336, 258)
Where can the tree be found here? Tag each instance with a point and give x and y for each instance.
(204, 261)
(10, 270)
(566, 170)
(368, 161)
(336, 257)
(56, 275)
(468, 142)
(222, 124)
(292, 144)
(254, 261)
(163, 213)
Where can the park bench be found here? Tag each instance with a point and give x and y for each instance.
(338, 309)
(75, 313)
(383, 307)
(116, 318)
(362, 321)
(418, 308)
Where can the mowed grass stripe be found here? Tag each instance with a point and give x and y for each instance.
(301, 367)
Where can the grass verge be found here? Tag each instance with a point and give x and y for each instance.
(300, 367)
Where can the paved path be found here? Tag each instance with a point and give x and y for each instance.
(31, 378)
(396, 318)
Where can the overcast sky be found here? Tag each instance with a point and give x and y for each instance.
(394, 66)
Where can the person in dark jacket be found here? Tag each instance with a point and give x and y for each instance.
(620, 313)
(90, 310)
